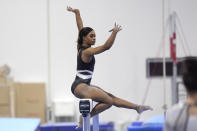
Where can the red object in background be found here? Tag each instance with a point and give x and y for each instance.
(173, 47)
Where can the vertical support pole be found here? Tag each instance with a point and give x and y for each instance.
(174, 85)
(164, 57)
(86, 122)
(96, 123)
(173, 56)
(85, 107)
(50, 116)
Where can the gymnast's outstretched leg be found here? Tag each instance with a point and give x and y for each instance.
(118, 102)
(99, 95)
(106, 100)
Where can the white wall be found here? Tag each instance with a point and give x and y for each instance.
(121, 70)
(23, 38)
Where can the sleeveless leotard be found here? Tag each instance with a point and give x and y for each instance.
(84, 70)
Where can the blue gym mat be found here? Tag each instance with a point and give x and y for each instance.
(19, 124)
(153, 124)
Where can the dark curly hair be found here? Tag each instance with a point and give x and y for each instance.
(82, 33)
(189, 69)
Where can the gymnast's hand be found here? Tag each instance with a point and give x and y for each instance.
(72, 10)
(116, 28)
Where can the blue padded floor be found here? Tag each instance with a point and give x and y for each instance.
(70, 126)
(19, 124)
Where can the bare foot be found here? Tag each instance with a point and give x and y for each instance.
(142, 108)
(80, 124)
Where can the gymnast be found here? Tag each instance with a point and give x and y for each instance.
(81, 87)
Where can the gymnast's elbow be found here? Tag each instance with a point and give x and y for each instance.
(107, 47)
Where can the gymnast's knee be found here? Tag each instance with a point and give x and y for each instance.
(110, 101)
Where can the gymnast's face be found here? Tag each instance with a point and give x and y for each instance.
(91, 38)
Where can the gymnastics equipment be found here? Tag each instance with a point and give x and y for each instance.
(85, 107)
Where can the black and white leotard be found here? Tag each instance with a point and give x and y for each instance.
(84, 70)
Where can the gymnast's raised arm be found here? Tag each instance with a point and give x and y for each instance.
(78, 17)
(106, 46)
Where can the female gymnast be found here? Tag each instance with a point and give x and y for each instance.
(81, 87)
